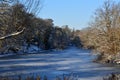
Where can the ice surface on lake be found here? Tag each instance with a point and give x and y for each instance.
(56, 63)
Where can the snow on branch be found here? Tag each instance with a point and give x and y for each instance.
(12, 34)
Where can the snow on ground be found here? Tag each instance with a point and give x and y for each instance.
(31, 49)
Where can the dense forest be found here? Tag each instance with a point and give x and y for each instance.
(20, 28)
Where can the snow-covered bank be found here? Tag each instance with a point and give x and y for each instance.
(113, 76)
(107, 58)
(31, 49)
(24, 50)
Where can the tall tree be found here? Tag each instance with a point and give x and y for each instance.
(104, 34)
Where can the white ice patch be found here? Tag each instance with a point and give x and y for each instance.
(40, 63)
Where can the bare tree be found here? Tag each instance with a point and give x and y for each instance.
(104, 29)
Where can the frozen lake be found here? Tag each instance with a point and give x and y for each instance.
(56, 63)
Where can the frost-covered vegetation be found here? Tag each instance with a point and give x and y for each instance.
(103, 33)
(20, 28)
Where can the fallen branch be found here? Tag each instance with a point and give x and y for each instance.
(13, 34)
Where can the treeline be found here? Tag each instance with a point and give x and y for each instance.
(103, 33)
(20, 27)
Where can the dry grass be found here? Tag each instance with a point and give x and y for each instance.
(64, 77)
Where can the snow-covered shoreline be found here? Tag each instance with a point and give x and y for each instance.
(32, 49)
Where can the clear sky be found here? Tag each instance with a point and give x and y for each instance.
(74, 13)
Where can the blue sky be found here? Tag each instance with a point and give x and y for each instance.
(74, 13)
